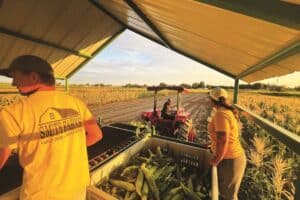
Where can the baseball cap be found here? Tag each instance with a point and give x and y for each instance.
(28, 63)
(218, 92)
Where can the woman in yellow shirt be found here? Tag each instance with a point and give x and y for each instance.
(228, 154)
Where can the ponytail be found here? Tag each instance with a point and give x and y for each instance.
(223, 103)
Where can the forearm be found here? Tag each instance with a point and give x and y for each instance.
(221, 147)
(92, 139)
(4, 155)
(93, 132)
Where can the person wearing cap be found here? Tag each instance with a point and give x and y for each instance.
(50, 131)
(228, 153)
(166, 112)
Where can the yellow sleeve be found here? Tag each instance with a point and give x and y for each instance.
(9, 130)
(210, 127)
(222, 123)
(86, 113)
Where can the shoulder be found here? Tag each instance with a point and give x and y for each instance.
(13, 107)
(12, 114)
(65, 95)
(76, 100)
(223, 113)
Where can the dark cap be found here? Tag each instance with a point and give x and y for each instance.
(27, 64)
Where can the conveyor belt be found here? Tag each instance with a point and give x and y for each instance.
(10, 175)
(114, 140)
(124, 126)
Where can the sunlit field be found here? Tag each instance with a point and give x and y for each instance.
(89, 95)
(272, 168)
(283, 111)
(106, 95)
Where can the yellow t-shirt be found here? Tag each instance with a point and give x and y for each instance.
(224, 121)
(47, 130)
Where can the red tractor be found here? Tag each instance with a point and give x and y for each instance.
(180, 126)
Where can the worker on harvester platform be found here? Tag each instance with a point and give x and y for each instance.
(50, 131)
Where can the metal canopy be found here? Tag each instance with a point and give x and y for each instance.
(232, 37)
(65, 33)
(249, 40)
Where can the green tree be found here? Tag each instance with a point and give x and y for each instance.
(202, 84)
(162, 84)
(195, 85)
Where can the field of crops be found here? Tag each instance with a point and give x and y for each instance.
(272, 168)
(283, 111)
(90, 95)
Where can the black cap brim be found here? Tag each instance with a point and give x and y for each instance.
(5, 72)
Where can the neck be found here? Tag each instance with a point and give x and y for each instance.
(39, 87)
(45, 87)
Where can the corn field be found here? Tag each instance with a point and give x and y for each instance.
(283, 111)
(272, 168)
(92, 95)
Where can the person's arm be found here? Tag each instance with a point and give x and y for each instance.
(169, 109)
(9, 134)
(4, 155)
(222, 128)
(93, 132)
(221, 147)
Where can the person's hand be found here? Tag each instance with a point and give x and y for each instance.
(214, 161)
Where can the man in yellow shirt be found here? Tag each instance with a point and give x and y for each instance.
(229, 155)
(50, 131)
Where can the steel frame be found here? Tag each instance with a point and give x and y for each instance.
(42, 42)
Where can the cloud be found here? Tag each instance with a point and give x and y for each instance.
(134, 59)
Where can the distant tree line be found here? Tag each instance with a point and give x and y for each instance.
(130, 85)
(196, 85)
(262, 86)
(188, 86)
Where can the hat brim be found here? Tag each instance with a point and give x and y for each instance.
(212, 97)
(5, 72)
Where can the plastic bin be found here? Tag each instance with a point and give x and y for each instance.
(183, 153)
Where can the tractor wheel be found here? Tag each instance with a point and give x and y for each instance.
(185, 131)
(181, 131)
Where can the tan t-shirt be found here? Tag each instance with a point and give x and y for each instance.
(47, 130)
(224, 121)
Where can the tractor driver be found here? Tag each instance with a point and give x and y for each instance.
(166, 112)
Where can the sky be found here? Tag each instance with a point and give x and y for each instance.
(137, 60)
(133, 59)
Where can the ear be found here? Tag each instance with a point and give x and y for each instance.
(35, 77)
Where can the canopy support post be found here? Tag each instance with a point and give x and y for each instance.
(67, 85)
(236, 91)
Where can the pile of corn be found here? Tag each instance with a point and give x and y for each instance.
(156, 176)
